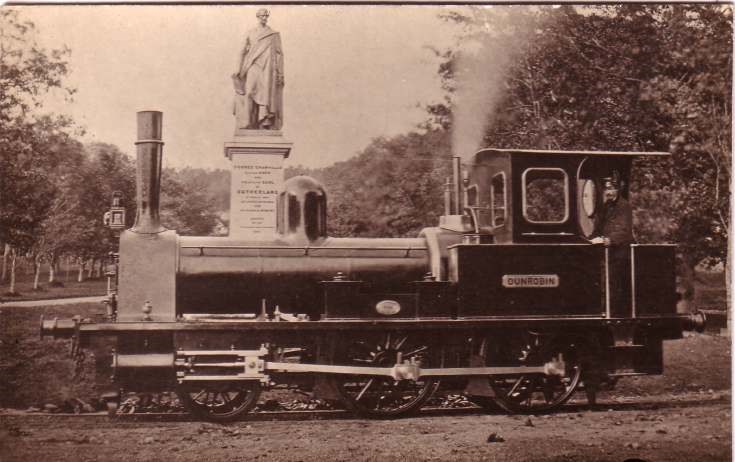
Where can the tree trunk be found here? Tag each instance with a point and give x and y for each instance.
(12, 272)
(90, 268)
(98, 269)
(6, 252)
(728, 297)
(36, 272)
(80, 278)
(28, 265)
(53, 261)
(66, 269)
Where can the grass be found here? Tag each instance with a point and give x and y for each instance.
(710, 290)
(694, 363)
(70, 287)
(36, 371)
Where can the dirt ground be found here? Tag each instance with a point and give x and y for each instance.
(693, 426)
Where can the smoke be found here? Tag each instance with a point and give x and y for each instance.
(498, 34)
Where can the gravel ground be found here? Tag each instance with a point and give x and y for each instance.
(691, 426)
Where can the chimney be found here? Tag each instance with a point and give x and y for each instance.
(148, 173)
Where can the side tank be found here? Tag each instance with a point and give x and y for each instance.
(221, 275)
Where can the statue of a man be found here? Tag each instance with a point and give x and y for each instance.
(259, 79)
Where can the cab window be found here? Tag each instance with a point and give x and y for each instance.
(471, 196)
(498, 201)
(545, 195)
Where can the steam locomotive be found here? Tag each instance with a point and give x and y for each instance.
(506, 297)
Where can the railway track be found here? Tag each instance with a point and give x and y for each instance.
(577, 406)
(263, 416)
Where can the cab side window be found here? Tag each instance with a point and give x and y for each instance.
(545, 195)
(498, 200)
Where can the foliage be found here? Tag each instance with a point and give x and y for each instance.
(186, 203)
(623, 77)
(106, 169)
(27, 71)
(29, 142)
(694, 91)
(30, 155)
(58, 229)
(401, 194)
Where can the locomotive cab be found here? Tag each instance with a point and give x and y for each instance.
(526, 196)
(541, 208)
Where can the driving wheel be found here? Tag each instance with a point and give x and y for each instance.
(384, 397)
(530, 393)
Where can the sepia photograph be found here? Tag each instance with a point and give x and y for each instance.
(366, 232)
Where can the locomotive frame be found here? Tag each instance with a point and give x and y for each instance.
(504, 298)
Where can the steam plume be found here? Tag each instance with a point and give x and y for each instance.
(481, 67)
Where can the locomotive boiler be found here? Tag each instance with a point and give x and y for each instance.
(505, 297)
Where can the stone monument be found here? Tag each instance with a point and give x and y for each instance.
(258, 147)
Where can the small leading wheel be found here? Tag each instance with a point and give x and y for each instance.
(383, 397)
(220, 401)
(531, 393)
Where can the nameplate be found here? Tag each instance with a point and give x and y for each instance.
(513, 281)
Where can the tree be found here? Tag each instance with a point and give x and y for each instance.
(64, 222)
(186, 204)
(27, 159)
(401, 195)
(694, 91)
(105, 170)
(196, 201)
(27, 71)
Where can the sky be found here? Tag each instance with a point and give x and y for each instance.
(352, 73)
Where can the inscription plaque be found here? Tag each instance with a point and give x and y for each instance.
(256, 181)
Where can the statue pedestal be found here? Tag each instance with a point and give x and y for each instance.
(256, 180)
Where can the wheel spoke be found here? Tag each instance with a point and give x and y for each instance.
(516, 385)
(415, 352)
(364, 389)
(199, 395)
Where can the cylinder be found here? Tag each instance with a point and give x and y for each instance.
(148, 173)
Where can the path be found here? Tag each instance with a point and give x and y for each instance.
(56, 301)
